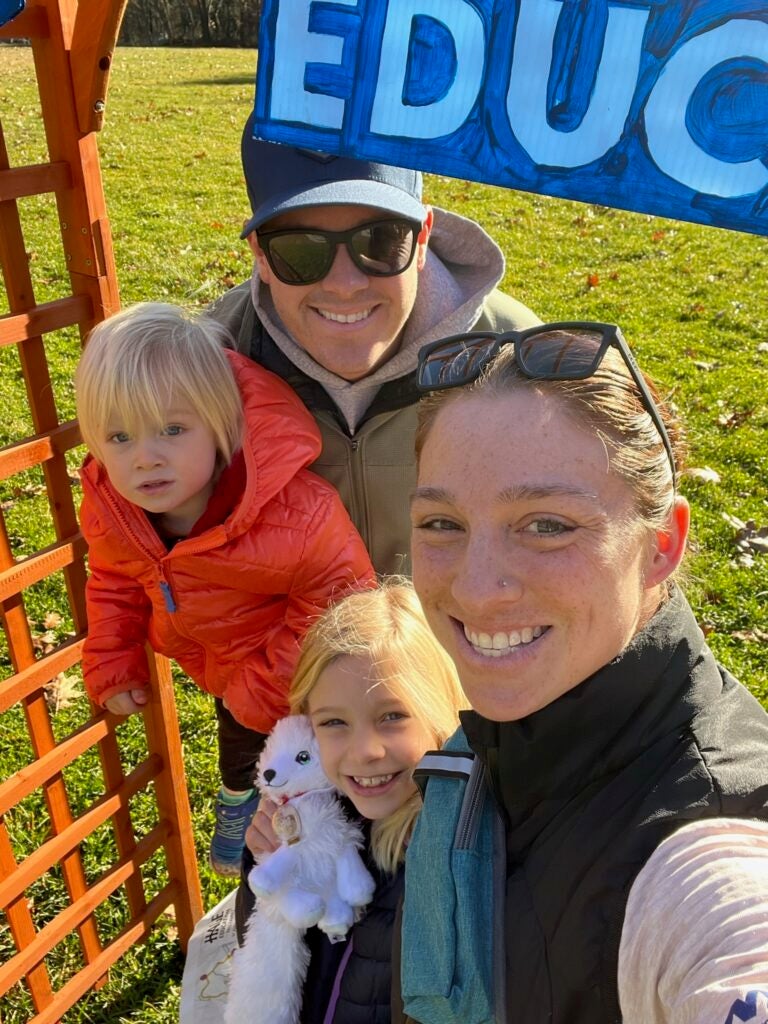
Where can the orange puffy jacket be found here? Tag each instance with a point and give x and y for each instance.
(232, 604)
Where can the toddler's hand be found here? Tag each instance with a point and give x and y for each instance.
(127, 703)
(260, 836)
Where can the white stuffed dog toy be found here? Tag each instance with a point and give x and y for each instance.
(315, 877)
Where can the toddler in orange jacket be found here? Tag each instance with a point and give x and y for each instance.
(208, 536)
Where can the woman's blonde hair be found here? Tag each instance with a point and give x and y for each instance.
(607, 403)
(387, 626)
(137, 360)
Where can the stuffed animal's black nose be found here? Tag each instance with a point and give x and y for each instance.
(269, 774)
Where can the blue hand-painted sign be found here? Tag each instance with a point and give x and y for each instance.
(652, 105)
(9, 9)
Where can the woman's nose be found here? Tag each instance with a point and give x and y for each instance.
(483, 580)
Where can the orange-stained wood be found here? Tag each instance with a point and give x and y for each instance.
(22, 927)
(72, 916)
(39, 673)
(34, 451)
(68, 839)
(134, 932)
(38, 179)
(48, 316)
(72, 42)
(163, 735)
(93, 42)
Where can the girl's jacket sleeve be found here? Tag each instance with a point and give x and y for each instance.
(334, 562)
(114, 654)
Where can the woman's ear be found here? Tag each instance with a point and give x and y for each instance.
(668, 545)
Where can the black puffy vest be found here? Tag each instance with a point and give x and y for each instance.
(590, 786)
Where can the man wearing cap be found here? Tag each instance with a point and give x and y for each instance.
(347, 341)
(352, 275)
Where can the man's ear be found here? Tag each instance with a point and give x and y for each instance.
(669, 543)
(423, 239)
(265, 272)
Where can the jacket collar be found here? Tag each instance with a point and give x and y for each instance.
(656, 685)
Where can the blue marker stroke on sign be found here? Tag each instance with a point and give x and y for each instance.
(613, 79)
(753, 1007)
(652, 105)
(667, 126)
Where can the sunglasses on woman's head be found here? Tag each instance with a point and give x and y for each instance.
(560, 351)
(383, 248)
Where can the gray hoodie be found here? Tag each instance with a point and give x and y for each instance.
(371, 462)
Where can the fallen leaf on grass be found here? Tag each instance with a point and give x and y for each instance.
(593, 280)
(700, 364)
(62, 691)
(750, 540)
(703, 473)
(732, 419)
(52, 620)
(733, 521)
(168, 921)
(750, 636)
(45, 642)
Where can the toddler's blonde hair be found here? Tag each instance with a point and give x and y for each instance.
(135, 362)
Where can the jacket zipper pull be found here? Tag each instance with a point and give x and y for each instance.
(170, 604)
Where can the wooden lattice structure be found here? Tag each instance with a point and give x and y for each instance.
(72, 45)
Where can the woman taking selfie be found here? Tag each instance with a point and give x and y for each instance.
(626, 769)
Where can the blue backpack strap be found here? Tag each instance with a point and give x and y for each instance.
(447, 934)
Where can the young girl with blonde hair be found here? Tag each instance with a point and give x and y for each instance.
(380, 692)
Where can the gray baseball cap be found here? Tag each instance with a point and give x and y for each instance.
(281, 178)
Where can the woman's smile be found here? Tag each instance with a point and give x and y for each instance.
(526, 556)
(500, 643)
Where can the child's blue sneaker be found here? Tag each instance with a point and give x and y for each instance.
(232, 820)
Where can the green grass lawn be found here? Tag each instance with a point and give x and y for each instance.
(690, 300)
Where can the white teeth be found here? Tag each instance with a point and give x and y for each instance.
(368, 782)
(344, 318)
(501, 643)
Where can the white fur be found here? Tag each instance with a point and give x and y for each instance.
(318, 880)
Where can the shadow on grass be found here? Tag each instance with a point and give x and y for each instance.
(134, 1002)
(223, 80)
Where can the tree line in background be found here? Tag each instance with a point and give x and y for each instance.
(191, 23)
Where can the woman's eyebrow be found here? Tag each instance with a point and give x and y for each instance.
(509, 495)
(528, 492)
(437, 494)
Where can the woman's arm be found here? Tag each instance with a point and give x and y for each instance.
(694, 947)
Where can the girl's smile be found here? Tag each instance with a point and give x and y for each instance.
(369, 742)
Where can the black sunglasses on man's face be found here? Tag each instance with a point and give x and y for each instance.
(382, 248)
(567, 350)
